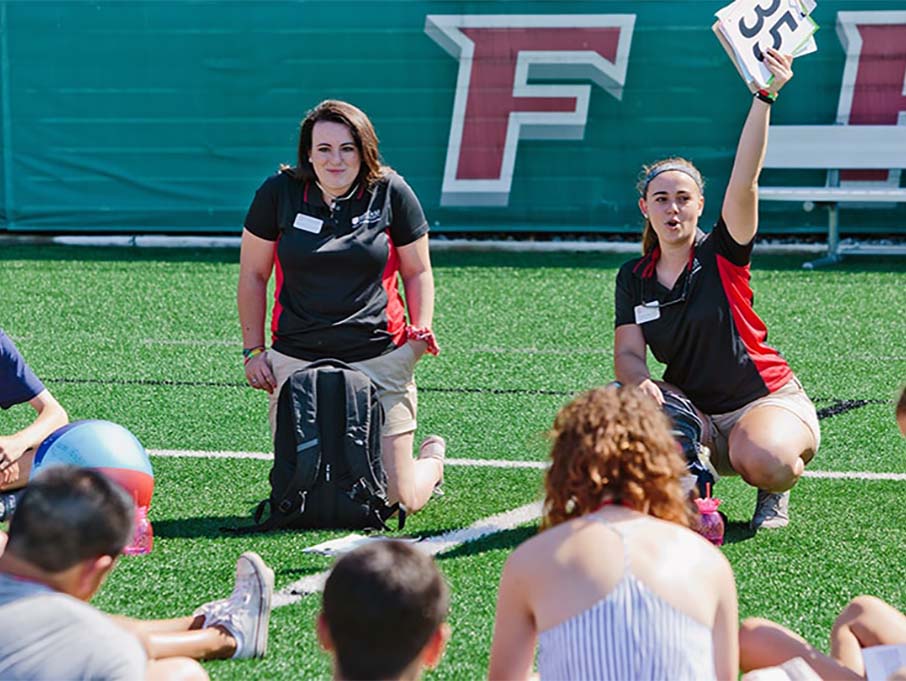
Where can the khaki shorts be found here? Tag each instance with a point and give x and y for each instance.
(392, 373)
(791, 397)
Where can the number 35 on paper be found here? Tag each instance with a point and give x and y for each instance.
(749, 27)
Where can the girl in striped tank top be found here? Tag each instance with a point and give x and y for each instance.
(616, 586)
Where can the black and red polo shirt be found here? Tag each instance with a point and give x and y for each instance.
(337, 289)
(707, 332)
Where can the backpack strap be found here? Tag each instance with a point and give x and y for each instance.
(363, 434)
(303, 387)
(290, 503)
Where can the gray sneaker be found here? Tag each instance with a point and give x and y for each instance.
(772, 510)
(246, 613)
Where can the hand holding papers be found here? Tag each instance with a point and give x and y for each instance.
(746, 28)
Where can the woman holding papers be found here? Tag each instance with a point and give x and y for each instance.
(688, 299)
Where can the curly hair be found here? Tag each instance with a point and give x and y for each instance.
(649, 238)
(614, 443)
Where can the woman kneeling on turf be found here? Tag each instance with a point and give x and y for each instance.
(339, 229)
(688, 299)
(616, 586)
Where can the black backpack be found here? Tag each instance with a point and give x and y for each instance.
(327, 470)
(687, 429)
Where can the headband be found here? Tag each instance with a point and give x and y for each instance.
(667, 167)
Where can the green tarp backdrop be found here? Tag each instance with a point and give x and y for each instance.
(142, 116)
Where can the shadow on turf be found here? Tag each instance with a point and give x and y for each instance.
(204, 526)
(738, 531)
(506, 539)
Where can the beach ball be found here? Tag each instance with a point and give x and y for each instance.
(104, 446)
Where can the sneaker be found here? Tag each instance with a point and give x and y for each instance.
(8, 504)
(246, 613)
(772, 510)
(434, 447)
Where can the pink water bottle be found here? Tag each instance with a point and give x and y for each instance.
(143, 536)
(710, 523)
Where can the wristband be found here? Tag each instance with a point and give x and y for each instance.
(248, 353)
(423, 334)
(765, 96)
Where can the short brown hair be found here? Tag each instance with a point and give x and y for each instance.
(363, 135)
(382, 603)
(614, 443)
(68, 514)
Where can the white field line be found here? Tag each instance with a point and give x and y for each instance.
(845, 475)
(293, 593)
(506, 463)
(195, 454)
(296, 591)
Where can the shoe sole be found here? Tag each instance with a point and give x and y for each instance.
(770, 525)
(266, 582)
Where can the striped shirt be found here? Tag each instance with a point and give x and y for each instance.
(631, 633)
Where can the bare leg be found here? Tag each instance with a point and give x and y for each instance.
(210, 643)
(147, 627)
(763, 643)
(411, 481)
(770, 446)
(181, 637)
(866, 621)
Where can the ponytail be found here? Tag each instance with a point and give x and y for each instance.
(649, 238)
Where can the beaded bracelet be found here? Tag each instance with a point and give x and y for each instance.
(766, 96)
(248, 353)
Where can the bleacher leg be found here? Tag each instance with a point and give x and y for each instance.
(833, 240)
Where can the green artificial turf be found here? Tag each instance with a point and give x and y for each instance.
(150, 339)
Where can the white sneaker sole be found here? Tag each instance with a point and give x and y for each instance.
(266, 584)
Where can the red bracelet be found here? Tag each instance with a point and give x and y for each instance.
(766, 96)
(423, 334)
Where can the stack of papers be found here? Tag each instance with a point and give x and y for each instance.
(748, 27)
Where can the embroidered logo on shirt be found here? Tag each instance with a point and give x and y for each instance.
(367, 218)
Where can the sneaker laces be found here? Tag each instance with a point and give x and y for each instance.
(227, 612)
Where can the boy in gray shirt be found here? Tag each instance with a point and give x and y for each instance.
(68, 530)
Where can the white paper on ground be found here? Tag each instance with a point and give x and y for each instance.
(882, 661)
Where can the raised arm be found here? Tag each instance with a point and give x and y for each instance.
(740, 207)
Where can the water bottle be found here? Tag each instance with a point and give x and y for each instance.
(143, 536)
(710, 522)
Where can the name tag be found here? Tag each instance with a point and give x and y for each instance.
(307, 223)
(645, 314)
